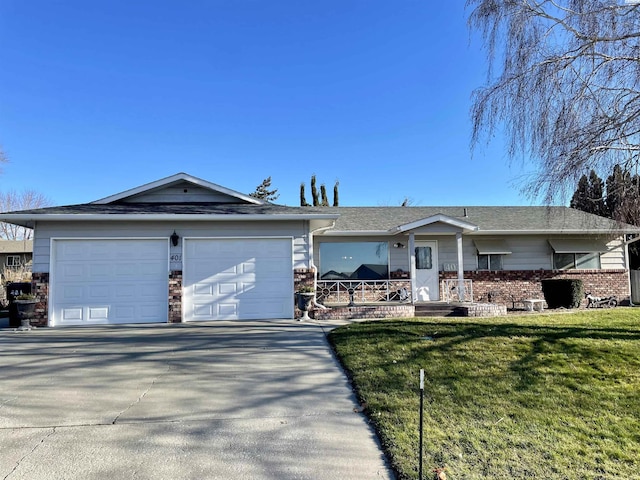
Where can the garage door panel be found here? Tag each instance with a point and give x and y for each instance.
(150, 312)
(125, 292)
(127, 270)
(109, 281)
(72, 314)
(255, 309)
(248, 267)
(152, 291)
(205, 311)
(227, 311)
(238, 279)
(200, 289)
(69, 293)
(98, 292)
(72, 272)
(227, 288)
(98, 314)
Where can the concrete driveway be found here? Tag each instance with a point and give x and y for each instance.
(232, 400)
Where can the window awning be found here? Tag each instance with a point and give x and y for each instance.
(492, 247)
(577, 245)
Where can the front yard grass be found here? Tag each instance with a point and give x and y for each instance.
(540, 396)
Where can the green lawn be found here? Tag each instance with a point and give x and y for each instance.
(535, 396)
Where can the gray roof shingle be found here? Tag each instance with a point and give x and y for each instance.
(497, 219)
(371, 219)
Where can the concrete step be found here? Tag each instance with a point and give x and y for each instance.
(438, 310)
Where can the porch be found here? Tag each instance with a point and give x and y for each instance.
(374, 299)
(354, 292)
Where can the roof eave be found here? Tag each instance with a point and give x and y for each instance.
(574, 231)
(23, 220)
(359, 233)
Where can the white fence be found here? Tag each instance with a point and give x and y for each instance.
(363, 291)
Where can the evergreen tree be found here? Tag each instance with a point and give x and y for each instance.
(589, 195)
(320, 197)
(323, 195)
(596, 194)
(314, 192)
(618, 187)
(303, 198)
(580, 197)
(263, 193)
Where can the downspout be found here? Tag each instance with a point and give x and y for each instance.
(626, 261)
(412, 267)
(310, 254)
(461, 290)
(310, 243)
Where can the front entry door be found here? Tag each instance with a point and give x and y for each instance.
(426, 255)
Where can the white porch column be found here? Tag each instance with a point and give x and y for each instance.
(412, 266)
(461, 292)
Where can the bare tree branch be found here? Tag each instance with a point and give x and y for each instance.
(567, 90)
(25, 200)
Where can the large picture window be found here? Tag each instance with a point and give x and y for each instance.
(354, 261)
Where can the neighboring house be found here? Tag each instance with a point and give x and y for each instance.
(15, 254)
(182, 249)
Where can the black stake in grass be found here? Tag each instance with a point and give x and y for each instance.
(421, 421)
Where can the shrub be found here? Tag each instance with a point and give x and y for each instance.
(559, 293)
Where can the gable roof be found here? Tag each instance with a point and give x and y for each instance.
(179, 179)
(438, 218)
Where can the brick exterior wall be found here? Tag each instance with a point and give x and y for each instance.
(40, 288)
(175, 296)
(484, 310)
(365, 311)
(303, 277)
(505, 286)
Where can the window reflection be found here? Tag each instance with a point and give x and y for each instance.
(423, 258)
(354, 261)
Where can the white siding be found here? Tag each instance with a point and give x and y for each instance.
(615, 257)
(436, 229)
(45, 231)
(177, 194)
(529, 252)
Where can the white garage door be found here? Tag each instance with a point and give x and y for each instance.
(109, 281)
(238, 279)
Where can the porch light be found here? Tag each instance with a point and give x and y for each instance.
(174, 238)
(399, 245)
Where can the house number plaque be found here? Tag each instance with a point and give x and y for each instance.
(176, 257)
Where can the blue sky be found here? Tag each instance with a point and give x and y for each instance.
(100, 97)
